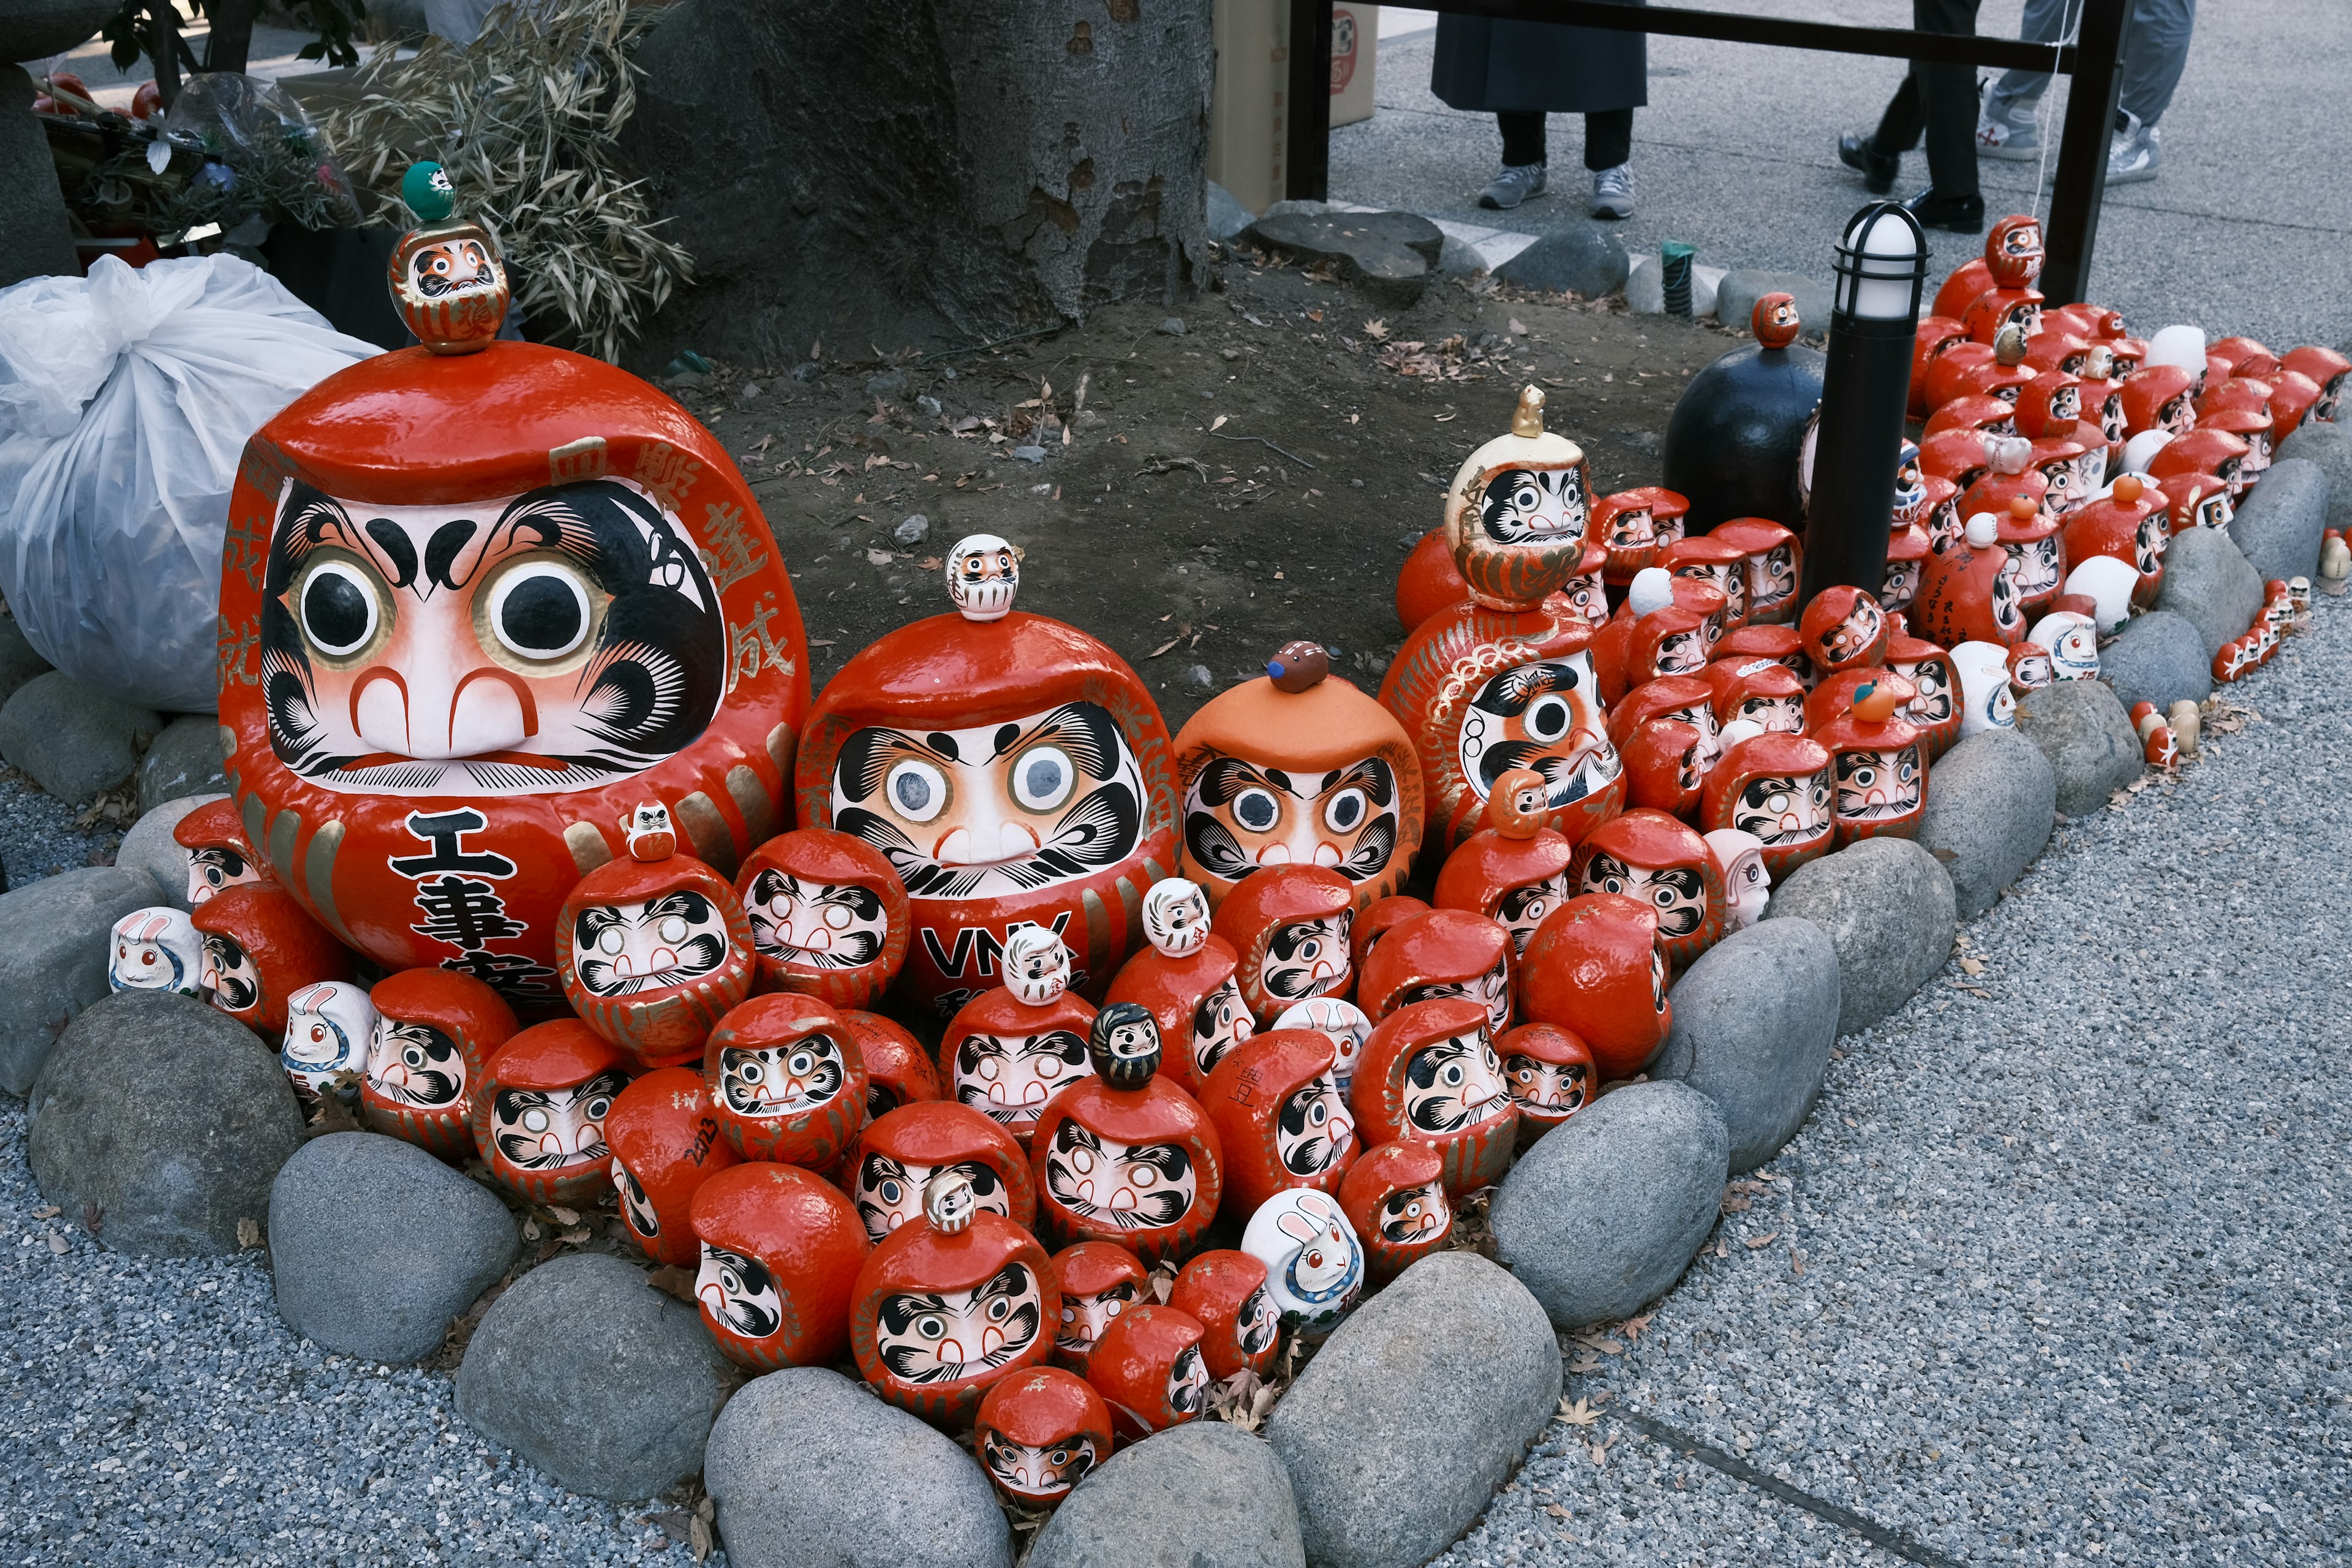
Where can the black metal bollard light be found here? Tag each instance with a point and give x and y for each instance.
(1882, 265)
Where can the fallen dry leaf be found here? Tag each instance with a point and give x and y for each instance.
(576, 1236)
(879, 558)
(1579, 1414)
(57, 1243)
(48, 1211)
(1767, 1239)
(1218, 421)
(564, 1216)
(674, 1282)
(1377, 328)
(1973, 965)
(248, 1234)
(1163, 647)
(1631, 1327)
(1796, 1263)
(1554, 1509)
(1518, 328)
(1587, 1362)
(698, 1533)
(931, 563)
(1736, 1206)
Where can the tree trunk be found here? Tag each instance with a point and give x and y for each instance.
(920, 172)
(230, 42)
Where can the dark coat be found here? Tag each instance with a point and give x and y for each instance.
(1504, 67)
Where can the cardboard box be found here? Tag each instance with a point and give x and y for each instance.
(1249, 124)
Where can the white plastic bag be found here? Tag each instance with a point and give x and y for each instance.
(126, 398)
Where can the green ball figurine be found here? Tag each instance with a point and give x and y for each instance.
(426, 190)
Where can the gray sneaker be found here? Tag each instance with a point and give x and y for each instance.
(2136, 153)
(1515, 184)
(2009, 130)
(1613, 192)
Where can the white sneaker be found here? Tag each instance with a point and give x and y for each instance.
(1515, 184)
(1613, 192)
(2009, 131)
(2136, 153)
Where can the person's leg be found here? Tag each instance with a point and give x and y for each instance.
(1609, 154)
(2045, 22)
(1947, 96)
(1899, 127)
(2156, 55)
(1523, 161)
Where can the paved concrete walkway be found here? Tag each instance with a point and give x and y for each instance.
(2058, 1272)
(2249, 229)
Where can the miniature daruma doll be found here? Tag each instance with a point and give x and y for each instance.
(1549, 1074)
(1124, 1155)
(1879, 761)
(1394, 1197)
(330, 1030)
(1012, 769)
(786, 1080)
(474, 607)
(218, 856)
(1314, 1265)
(1098, 1280)
(1437, 955)
(259, 949)
(1776, 788)
(435, 1033)
(899, 1155)
(539, 1116)
(1186, 978)
(828, 916)
(1149, 1368)
(1226, 1291)
(654, 948)
(945, 1307)
(899, 1072)
(1010, 1050)
(1280, 1117)
(1299, 768)
(1649, 856)
(156, 949)
(780, 1255)
(447, 278)
(1039, 1433)
(665, 1143)
(1594, 969)
(1513, 871)
(1290, 925)
(1503, 681)
(1430, 1072)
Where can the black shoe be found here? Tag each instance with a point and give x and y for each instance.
(1877, 169)
(1954, 215)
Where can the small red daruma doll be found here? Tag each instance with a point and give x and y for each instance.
(1935, 706)
(1039, 1433)
(1969, 593)
(1280, 1117)
(539, 1116)
(1843, 628)
(1430, 1073)
(1770, 555)
(1124, 1155)
(1383, 917)
(899, 1072)
(666, 1144)
(1099, 1280)
(1149, 1368)
(1549, 1074)
(944, 1308)
(654, 949)
(1515, 870)
(1594, 969)
(1651, 857)
(1290, 926)
(786, 1080)
(1663, 767)
(1879, 761)
(262, 947)
(902, 1150)
(1636, 525)
(1009, 1050)
(218, 856)
(1226, 1291)
(1763, 692)
(1775, 787)
(435, 1033)
(828, 916)
(1187, 980)
(1440, 955)
(780, 1252)
(1394, 1197)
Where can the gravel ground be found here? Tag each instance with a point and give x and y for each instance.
(2072, 1270)
(37, 835)
(157, 1411)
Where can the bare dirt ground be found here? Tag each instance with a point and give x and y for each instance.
(1196, 499)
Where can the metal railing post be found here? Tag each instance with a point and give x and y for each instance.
(2073, 230)
(1306, 167)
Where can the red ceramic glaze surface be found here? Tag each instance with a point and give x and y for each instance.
(1959, 290)
(1006, 1058)
(218, 856)
(1039, 1433)
(1289, 926)
(1649, 857)
(1280, 1117)
(1775, 787)
(2292, 397)
(1774, 319)
(2128, 524)
(1321, 776)
(1394, 1198)
(262, 947)
(1550, 1073)
(1878, 771)
(1376, 924)
(1225, 1291)
(1585, 596)
(435, 1034)
(539, 1115)
(829, 916)
(1935, 336)
(1960, 455)
(1149, 1368)
(2013, 252)
(1907, 555)
(1689, 699)
(1984, 413)
(1763, 692)
(1052, 804)
(1670, 641)
(2215, 453)
(1443, 954)
(1138, 1165)
(1997, 308)
(2244, 356)
(2056, 348)
(786, 1080)
(1969, 595)
(901, 1150)
(666, 1142)
(1196, 1000)
(431, 793)
(1513, 881)
(1971, 370)
(1428, 582)
(2159, 397)
(936, 1318)
(1665, 764)
(1935, 706)
(1720, 564)
(899, 1072)
(1595, 969)
(1635, 526)
(1779, 643)
(2048, 405)
(2327, 369)
(781, 1251)
(1843, 628)
(652, 955)
(1099, 1280)
(1429, 1073)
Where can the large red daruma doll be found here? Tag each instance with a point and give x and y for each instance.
(1012, 770)
(474, 608)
